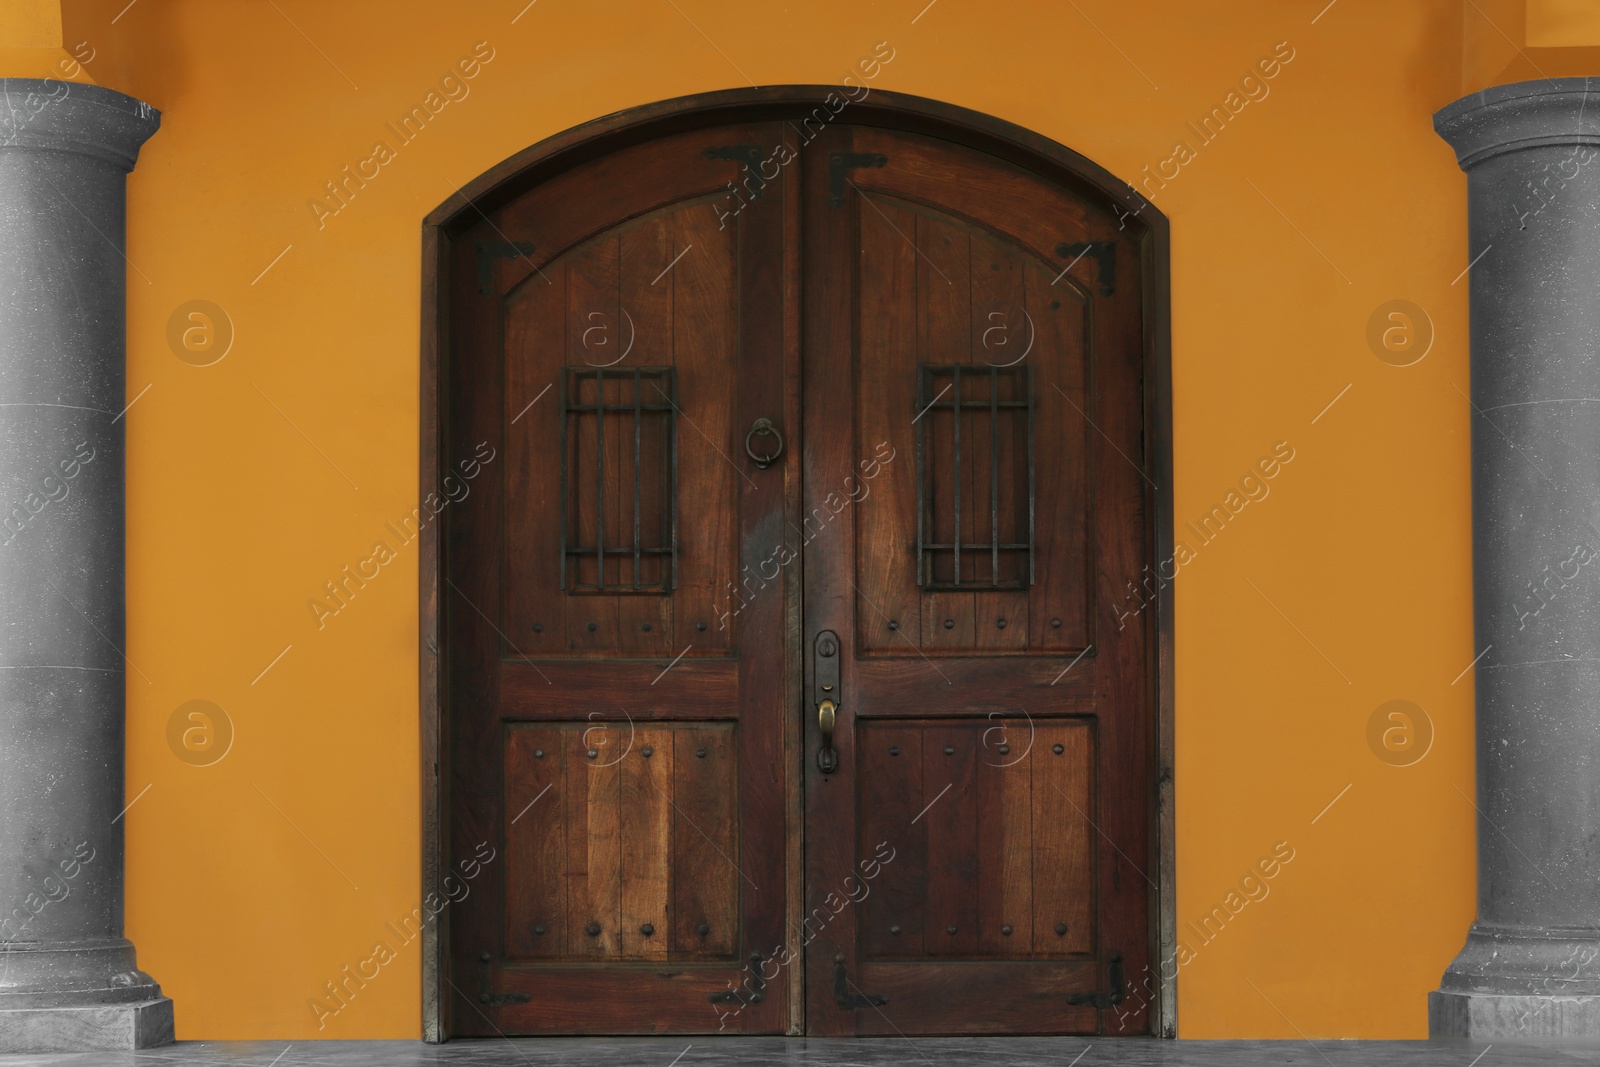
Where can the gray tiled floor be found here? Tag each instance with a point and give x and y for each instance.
(772, 1052)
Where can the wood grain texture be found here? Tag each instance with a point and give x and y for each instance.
(957, 213)
(705, 879)
(536, 844)
(894, 915)
(1063, 853)
(632, 266)
(645, 815)
(970, 247)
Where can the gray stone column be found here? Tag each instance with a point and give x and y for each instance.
(68, 978)
(1531, 965)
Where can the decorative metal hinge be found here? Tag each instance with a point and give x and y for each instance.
(1105, 1000)
(494, 1000)
(1103, 252)
(840, 164)
(757, 987)
(488, 252)
(846, 992)
(751, 156)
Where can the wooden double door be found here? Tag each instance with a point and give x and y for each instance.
(792, 680)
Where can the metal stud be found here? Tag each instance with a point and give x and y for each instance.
(593, 929)
(895, 929)
(700, 626)
(485, 957)
(1006, 930)
(1061, 929)
(538, 753)
(593, 626)
(949, 624)
(538, 627)
(894, 624)
(950, 930)
(1058, 748)
(648, 929)
(1005, 750)
(539, 929)
(894, 750)
(703, 929)
(594, 753)
(1001, 623)
(1055, 624)
(949, 750)
(646, 627)
(700, 752)
(647, 752)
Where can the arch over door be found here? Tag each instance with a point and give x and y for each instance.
(956, 337)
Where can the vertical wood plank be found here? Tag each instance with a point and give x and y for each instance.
(644, 817)
(644, 307)
(1000, 467)
(1016, 861)
(705, 885)
(1005, 842)
(527, 465)
(885, 521)
(536, 853)
(891, 787)
(710, 476)
(600, 900)
(1063, 870)
(591, 316)
(949, 757)
(1065, 579)
(944, 317)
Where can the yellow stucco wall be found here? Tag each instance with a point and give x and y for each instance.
(254, 480)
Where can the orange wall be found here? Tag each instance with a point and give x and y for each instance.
(254, 880)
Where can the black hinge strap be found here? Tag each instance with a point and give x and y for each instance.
(1103, 252)
(840, 164)
(1117, 993)
(494, 1000)
(751, 155)
(488, 251)
(847, 995)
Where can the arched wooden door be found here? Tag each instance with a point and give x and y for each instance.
(789, 671)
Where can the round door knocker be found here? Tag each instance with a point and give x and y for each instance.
(763, 428)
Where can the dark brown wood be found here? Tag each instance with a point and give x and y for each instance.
(559, 164)
(705, 899)
(537, 781)
(602, 655)
(911, 284)
(994, 997)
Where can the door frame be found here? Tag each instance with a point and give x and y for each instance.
(912, 114)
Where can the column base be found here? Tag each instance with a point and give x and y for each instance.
(1499, 1017)
(88, 1027)
(1520, 983)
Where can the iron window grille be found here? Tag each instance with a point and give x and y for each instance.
(636, 406)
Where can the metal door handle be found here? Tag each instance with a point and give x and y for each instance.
(763, 428)
(826, 695)
(827, 756)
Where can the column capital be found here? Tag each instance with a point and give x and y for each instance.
(74, 117)
(1509, 118)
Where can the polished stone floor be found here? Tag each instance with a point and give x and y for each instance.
(878, 1052)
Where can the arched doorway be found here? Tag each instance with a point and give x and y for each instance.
(794, 659)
